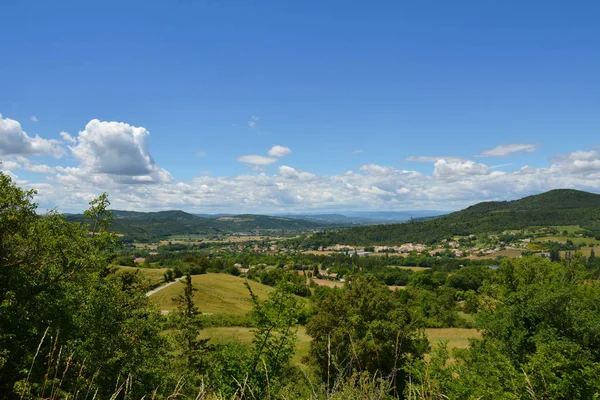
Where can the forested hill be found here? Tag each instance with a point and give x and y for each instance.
(556, 207)
(162, 224)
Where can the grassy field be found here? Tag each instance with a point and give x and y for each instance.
(224, 335)
(457, 338)
(568, 228)
(585, 251)
(575, 240)
(415, 269)
(216, 294)
(152, 275)
(328, 283)
(502, 253)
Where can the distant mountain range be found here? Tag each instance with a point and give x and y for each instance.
(162, 224)
(350, 217)
(136, 225)
(556, 207)
(553, 208)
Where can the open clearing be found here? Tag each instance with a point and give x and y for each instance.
(415, 269)
(153, 276)
(232, 334)
(575, 240)
(586, 251)
(215, 294)
(328, 283)
(502, 253)
(457, 337)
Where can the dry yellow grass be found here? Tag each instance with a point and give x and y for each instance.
(232, 334)
(586, 251)
(151, 275)
(328, 283)
(415, 269)
(501, 253)
(456, 337)
(215, 294)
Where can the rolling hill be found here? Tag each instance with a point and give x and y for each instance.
(162, 224)
(556, 207)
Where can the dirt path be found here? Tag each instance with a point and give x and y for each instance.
(150, 293)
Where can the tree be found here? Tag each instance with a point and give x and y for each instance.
(189, 325)
(57, 291)
(554, 255)
(258, 371)
(539, 322)
(363, 327)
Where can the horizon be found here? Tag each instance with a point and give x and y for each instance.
(267, 108)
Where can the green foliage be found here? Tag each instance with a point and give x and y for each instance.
(541, 337)
(164, 224)
(259, 370)
(57, 292)
(469, 278)
(363, 327)
(556, 207)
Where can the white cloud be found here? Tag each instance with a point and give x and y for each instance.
(200, 154)
(117, 149)
(507, 149)
(279, 151)
(453, 170)
(577, 162)
(253, 120)
(291, 173)
(256, 159)
(34, 118)
(114, 157)
(68, 138)
(40, 168)
(15, 141)
(374, 169)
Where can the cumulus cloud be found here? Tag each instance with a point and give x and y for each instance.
(453, 170)
(577, 162)
(114, 157)
(279, 151)
(291, 173)
(34, 118)
(256, 159)
(505, 150)
(374, 169)
(67, 138)
(117, 149)
(15, 141)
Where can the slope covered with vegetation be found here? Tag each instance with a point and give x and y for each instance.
(145, 226)
(556, 207)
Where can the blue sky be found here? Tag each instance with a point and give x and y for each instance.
(376, 105)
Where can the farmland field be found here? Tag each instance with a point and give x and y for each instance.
(456, 337)
(414, 269)
(575, 240)
(153, 276)
(216, 294)
(223, 335)
(502, 253)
